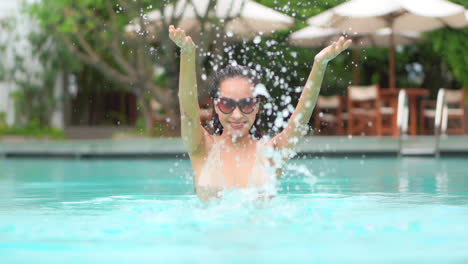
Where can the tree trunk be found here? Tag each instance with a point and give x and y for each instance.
(174, 112)
(147, 114)
(66, 99)
(356, 57)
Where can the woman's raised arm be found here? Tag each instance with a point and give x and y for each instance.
(192, 130)
(296, 128)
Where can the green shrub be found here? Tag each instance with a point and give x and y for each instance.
(33, 130)
(2, 119)
(159, 128)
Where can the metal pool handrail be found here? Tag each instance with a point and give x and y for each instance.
(402, 118)
(440, 121)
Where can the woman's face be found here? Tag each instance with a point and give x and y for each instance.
(237, 123)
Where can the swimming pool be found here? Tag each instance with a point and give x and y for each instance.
(329, 210)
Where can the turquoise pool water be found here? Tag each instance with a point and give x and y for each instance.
(333, 210)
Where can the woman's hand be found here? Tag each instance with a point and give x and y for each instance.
(330, 52)
(181, 40)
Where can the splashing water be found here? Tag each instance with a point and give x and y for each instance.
(260, 90)
(257, 40)
(115, 210)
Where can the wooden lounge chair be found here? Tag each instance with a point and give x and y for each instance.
(388, 111)
(456, 113)
(344, 116)
(364, 110)
(328, 112)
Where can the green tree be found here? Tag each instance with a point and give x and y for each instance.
(34, 96)
(96, 32)
(452, 46)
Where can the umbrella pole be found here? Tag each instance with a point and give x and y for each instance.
(356, 56)
(391, 57)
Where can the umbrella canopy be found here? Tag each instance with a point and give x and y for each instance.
(248, 17)
(315, 36)
(367, 16)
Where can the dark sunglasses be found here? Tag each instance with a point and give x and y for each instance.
(227, 105)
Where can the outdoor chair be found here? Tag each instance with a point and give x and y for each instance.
(364, 110)
(456, 113)
(344, 115)
(388, 111)
(328, 113)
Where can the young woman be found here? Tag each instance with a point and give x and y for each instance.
(234, 157)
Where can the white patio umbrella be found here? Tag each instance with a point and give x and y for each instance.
(248, 17)
(316, 36)
(366, 16)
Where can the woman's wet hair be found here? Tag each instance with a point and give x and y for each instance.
(233, 72)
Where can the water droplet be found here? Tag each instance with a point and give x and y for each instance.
(257, 40)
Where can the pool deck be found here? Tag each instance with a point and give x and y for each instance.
(173, 147)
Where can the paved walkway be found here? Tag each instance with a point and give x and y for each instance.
(173, 147)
